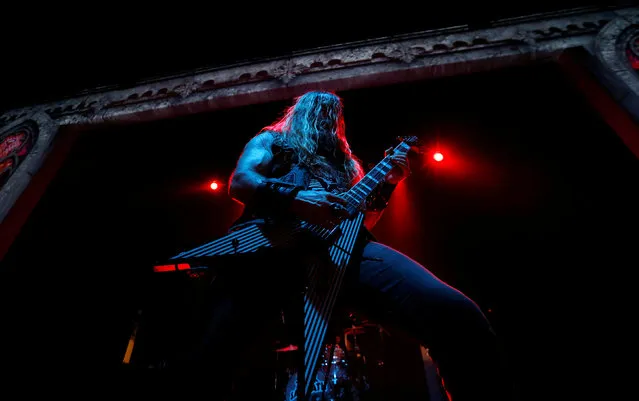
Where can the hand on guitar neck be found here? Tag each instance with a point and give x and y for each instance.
(401, 168)
(319, 207)
(326, 209)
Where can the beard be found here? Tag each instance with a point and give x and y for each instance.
(327, 143)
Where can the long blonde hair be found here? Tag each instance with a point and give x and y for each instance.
(313, 128)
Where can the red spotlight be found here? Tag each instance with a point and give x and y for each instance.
(214, 186)
(438, 157)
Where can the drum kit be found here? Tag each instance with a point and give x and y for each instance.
(351, 366)
(360, 359)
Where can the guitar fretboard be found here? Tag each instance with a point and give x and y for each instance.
(364, 187)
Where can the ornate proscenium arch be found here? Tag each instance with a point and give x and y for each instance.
(15, 144)
(607, 72)
(385, 61)
(617, 50)
(23, 148)
(632, 51)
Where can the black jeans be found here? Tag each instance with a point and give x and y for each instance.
(392, 287)
(388, 287)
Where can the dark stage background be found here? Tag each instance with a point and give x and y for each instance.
(533, 214)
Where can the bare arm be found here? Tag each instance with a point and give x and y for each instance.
(250, 183)
(251, 167)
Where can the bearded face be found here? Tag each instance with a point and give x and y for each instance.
(326, 115)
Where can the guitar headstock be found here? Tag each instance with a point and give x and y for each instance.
(409, 140)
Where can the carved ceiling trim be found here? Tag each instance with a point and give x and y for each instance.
(616, 45)
(423, 55)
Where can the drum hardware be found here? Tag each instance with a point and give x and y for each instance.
(345, 365)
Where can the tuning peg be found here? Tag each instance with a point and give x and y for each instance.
(411, 140)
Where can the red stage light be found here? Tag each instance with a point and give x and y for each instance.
(438, 157)
(214, 186)
(171, 268)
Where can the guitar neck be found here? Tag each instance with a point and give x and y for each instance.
(357, 195)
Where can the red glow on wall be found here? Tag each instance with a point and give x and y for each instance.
(613, 113)
(452, 164)
(458, 163)
(399, 225)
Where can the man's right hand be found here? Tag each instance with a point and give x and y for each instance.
(318, 207)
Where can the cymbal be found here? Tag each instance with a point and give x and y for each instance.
(287, 348)
(355, 330)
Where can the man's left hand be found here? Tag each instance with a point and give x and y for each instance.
(400, 171)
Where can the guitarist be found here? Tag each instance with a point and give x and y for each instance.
(298, 165)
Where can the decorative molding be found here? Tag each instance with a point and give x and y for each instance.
(15, 145)
(612, 61)
(45, 130)
(612, 46)
(384, 61)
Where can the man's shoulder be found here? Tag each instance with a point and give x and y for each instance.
(263, 139)
(267, 136)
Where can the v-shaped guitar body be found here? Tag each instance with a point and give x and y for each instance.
(324, 279)
(323, 282)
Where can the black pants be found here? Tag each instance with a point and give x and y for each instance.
(392, 287)
(389, 287)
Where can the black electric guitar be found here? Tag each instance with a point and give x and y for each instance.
(341, 239)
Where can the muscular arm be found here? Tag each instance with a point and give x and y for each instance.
(249, 183)
(251, 167)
